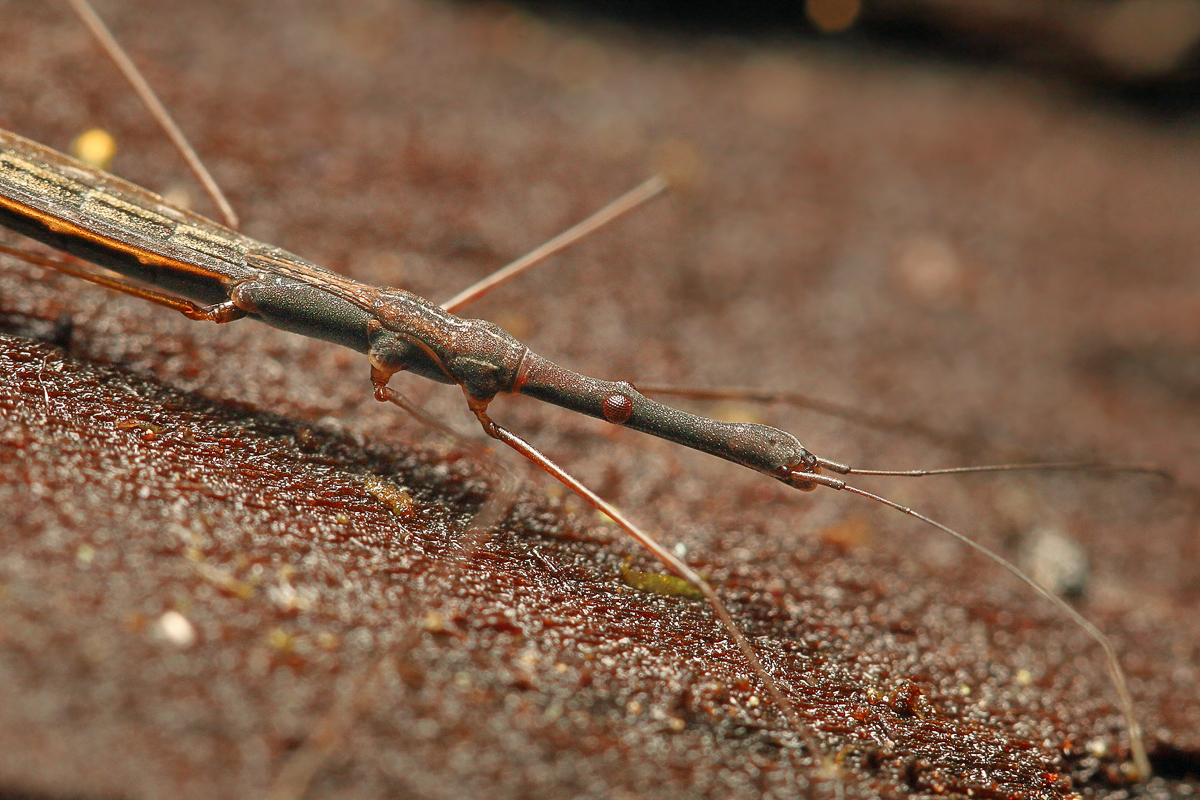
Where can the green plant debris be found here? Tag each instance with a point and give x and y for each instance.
(658, 583)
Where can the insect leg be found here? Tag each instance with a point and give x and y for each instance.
(217, 312)
(133, 75)
(635, 197)
(664, 556)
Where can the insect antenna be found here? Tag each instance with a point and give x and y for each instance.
(1140, 768)
(1047, 466)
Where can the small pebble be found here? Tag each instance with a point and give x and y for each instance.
(174, 627)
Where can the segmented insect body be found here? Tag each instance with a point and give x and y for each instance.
(113, 223)
(60, 202)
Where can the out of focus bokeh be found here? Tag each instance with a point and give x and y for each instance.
(1148, 45)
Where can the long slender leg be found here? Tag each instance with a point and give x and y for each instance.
(497, 505)
(622, 205)
(664, 556)
(668, 559)
(113, 49)
(219, 312)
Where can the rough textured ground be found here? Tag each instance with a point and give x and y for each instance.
(209, 586)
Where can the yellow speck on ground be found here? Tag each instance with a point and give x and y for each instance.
(280, 640)
(398, 501)
(657, 583)
(95, 147)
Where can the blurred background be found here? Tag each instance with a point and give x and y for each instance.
(1147, 47)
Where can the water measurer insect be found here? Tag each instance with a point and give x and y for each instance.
(238, 277)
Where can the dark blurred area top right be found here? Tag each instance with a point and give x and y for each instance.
(1144, 51)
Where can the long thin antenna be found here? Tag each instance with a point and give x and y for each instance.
(622, 205)
(112, 47)
(1137, 748)
(1045, 466)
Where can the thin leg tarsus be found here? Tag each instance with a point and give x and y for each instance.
(328, 737)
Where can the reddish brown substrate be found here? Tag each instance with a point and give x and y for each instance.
(1000, 261)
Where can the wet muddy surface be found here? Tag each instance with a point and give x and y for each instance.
(225, 570)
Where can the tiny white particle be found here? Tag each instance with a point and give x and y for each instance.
(175, 628)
